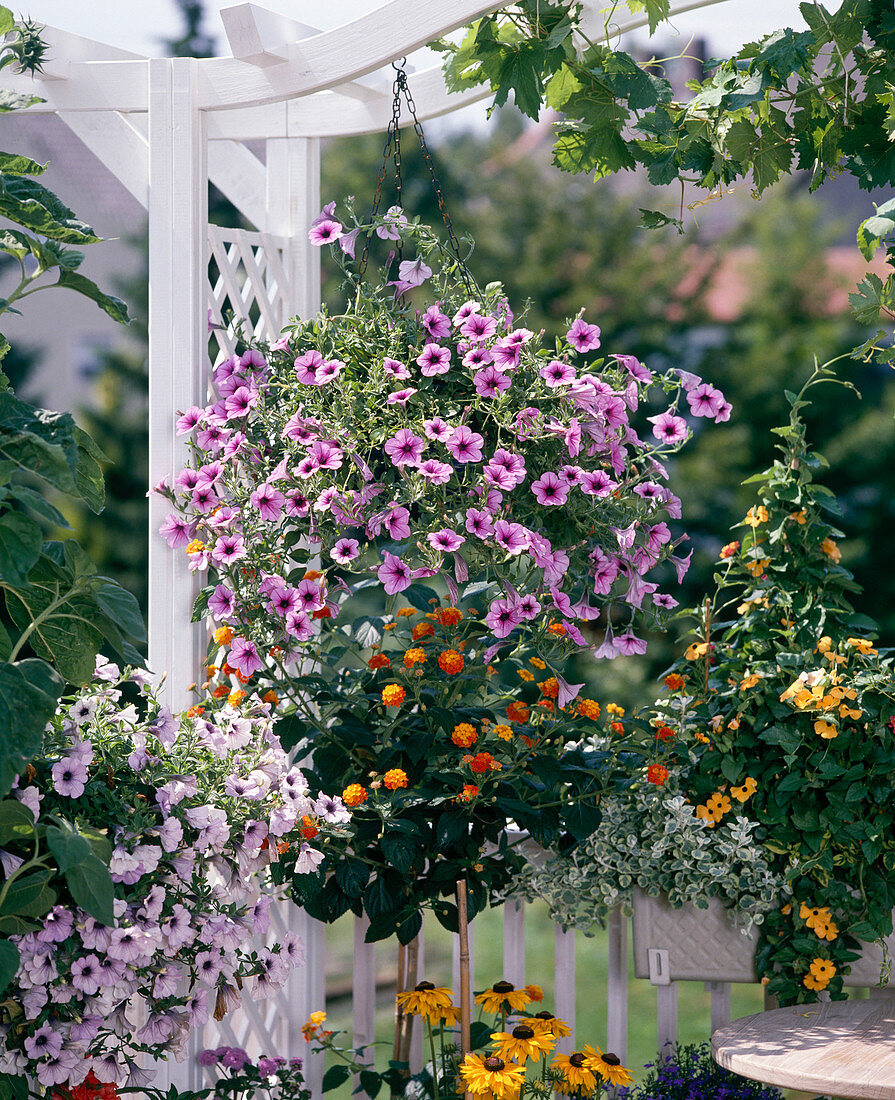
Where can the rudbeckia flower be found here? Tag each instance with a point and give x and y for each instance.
(609, 1067)
(492, 1077)
(522, 1043)
(576, 1075)
(503, 997)
(426, 1000)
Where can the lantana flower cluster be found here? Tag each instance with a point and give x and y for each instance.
(195, 807)
(440, 439)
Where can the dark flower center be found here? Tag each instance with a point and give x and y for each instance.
(502, 987)
(544, 1016)
(493, 1063)
(523, 1031)
(612, 1059)
(423, 987)
(577, 1059)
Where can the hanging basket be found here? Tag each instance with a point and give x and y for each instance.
(703, 945)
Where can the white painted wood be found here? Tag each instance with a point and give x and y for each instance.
(514, 944)
(293, 201)
(242, 26)
(118, 143)
(564, 969)
(666, 1015)
(178, 365)
(311, 992)
(617, 986)
(363, 1001)
(721, 1010)
(240, 176)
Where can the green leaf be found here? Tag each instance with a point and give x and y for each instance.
(67, 846)
(121, 607)
(9, 964)
(420, 596)
(479, 1034)
(16, 101)
(7, 20)
(115, 308)
(561, 86)
(581, 819)
(90, 884)
(39, 504)
(871, 296)
(28, 203)
(655, 219)
(656, 11)
(28, 896)
(29, 693)
(16, 821)
(20, 542)
(370, 1082)
(336, 1075)
(14, 164)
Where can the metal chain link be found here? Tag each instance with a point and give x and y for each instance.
(393, 148)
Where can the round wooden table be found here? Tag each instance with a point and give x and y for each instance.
(840, 1048)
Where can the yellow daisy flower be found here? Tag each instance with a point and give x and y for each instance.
(575, 1072)
(502, 997)
(491, 1077)
(426, 1000)
(522, 1043)
(609, 1067)
(549, 1024)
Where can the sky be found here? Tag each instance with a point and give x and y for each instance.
(138, 24)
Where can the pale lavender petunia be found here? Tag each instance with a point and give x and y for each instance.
(436, 323)
(663, 599)
(550, 490)
(244, 656)
(582, 336)
(635, 368)
(204, 499)
(69, 777)
(345, 550)
(434, 359)
(393, 221)
(411, 273)
(404, 448)
(668, 428)
(394, 574)
(445, 540)
(628, 644)
(465, 444)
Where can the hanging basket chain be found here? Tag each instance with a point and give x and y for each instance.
(393, 149)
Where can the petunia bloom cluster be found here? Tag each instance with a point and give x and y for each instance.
(442, 439)
(195, 807)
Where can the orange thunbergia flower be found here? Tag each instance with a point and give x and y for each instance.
(464, 735)
(518, 712)
(223, 635)
(536, 662)
(862, 645)
(756, 515)
(504, 732)
(270, 697)
(674, 681)
(450, 661)
(422, 630)
(657, 774)
(236, 697)
(525, 675)
(394, 778)
(756, 568)
(587, 708)
(801, 517)
(749, 681)
(749, 787)
(469, 792)
(696, 650)
(832, 551)
(449, 616)
(826, 729)
(393, 695)
(379, 660)
(308, 829)
(730, 549)
(414, 657)
(354, 794)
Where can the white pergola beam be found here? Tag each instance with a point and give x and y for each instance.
(118, 144)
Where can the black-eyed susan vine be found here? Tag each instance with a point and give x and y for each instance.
(784, 705)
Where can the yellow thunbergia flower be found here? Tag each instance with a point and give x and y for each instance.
(756, 568)
(862, 645)
(696, 650)
(832, 551)
(824, 643)
(826, 729)
(800, 517)
(749, 787)
(756, 515)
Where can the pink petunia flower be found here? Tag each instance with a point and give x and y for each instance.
(345, 550)
(397, 523)
(434, 359)
(435, 472)
(477, 357)
(436, 323)
(404, 448)
(411, 273)
(306, 367)
(400, 397)
(394, 574)
(327, 371)
(478, 328)
(465, 310)
(221, 603)
(395, 368)
(505, 470)
(176, 531)
(479, 522)
(503, 615)
(582, 336)
(490, 382)
(244, 656)
(325, 232)
(628, 644)
(465, 444)
(705, 400)
(445, 540)
(668, 428)
(437, 429)
(550, 490)
(269, 502)
(556, 373)
(227, 549)
(69, 777)
(513, 537)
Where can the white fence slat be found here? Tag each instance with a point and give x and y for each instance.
(514, 944)
(564, 953)
(721, 1011)
(666, 1015)
(363, 1002)
(617, 986)
(293, 201)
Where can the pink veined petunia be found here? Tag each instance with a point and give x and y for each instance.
(306, 367)
(479, 522)
(505, 470)
(550, 490)
(445, 540)
(327, 371)
(190, 419)
(513, 537)
(221, 603)
(328, 454)
(240, 402)
(705, 400)
(437, 429)
(503, 615)
(556, 373)
(325, 232)
(348, 242)
(244, 656)
(176, 531)
(394, 574)
(204, 499)
(227, 549)
(528, 607)
(400, 397)
(635, 368)
(411, 273)
(582, 336)
(283, 601)
(668, 428)
(345, 550)
(465, 444)
(478, 328)
(434, 359)
(396, 523)
(435, 472)
(436, 323)
(628, 644)
(404, 448)
(395, 368)
(490, 382)
(269, 502)
(477, 357)
(663, 599)
(465, 310)
(505, 354)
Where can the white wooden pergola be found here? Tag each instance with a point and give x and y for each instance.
(166, 127)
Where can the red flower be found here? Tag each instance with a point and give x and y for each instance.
(657, 774)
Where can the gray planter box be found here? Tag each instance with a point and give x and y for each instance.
(703, 946)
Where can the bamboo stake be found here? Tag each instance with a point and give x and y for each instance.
(399, 1013)
(463, 929)
(412, 977)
